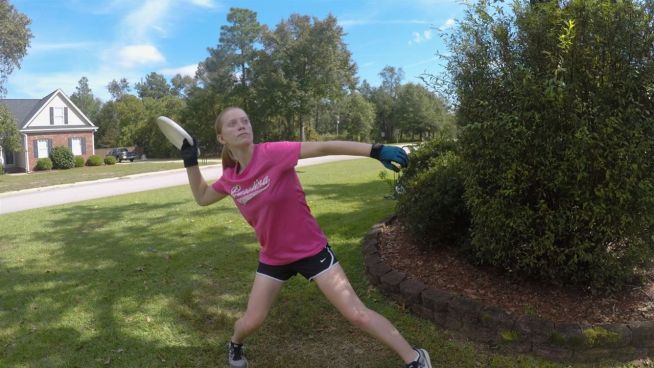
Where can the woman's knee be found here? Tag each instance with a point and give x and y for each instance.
(252, 321)
(360, 317)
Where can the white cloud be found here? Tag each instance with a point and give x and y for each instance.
(132, 50)
(448, 24)
(151, 15)
(210, 4)
(140, 31)
(156, 15)
(427, 34)
(421, 37)
(138, 55)
(434, 3)
(418, 63)
(184, 70)
(366, 22)
(46, 47)
(39, 85)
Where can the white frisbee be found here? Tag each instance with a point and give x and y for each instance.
(175, 133)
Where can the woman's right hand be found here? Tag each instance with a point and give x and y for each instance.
(204, 195)
(190, 152)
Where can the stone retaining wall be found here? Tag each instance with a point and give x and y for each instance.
(492, 325)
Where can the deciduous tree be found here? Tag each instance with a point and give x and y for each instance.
(9, 135)
(313, 62)
(419, 111)
(15, 38)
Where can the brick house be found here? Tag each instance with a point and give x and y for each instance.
(43, 124)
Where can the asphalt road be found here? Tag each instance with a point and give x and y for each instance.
(68, 193)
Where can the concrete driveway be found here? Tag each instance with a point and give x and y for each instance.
(68, 193)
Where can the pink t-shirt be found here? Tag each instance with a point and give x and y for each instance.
(269, 195)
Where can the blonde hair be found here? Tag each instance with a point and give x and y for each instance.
(226, 155)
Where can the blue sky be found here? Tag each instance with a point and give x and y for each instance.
(111, 39)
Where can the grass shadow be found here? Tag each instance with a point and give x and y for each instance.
(122, 264)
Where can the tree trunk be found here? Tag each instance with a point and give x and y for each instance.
(289, 126)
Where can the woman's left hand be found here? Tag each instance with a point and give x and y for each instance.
(390, 155)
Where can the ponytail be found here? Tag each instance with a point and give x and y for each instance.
(228, 160)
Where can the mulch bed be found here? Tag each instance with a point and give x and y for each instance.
(444, 269)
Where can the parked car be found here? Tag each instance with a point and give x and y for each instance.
(122, 154)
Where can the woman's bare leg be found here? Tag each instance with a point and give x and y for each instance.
(263, 295)
(338, 290)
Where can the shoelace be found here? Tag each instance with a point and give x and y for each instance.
(237, 351)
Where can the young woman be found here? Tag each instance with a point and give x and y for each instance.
(262, 181)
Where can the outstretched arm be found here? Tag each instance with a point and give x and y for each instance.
(203, 194)
(317, 149)
(388, 155)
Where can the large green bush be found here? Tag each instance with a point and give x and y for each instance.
(94, 160)
(44, 164)
(110, 160)
(432, 205)
(62, 158)
(423, 156)
(79, 161)
(2, 169)
(556, 104)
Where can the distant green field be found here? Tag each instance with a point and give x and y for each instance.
(11, 182)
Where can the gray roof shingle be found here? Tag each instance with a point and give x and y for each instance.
(23, 109)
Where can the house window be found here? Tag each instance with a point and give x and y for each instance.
(58, 115)
(76, 146)
(42, 146)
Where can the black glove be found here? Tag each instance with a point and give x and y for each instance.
(190, 153)
(389, 155)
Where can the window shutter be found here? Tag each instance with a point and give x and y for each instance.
(51, 115)
(70, 143)
(35, 147)
(65, 115)
(49, 146)
(83, 146)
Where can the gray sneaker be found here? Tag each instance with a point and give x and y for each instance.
(423, 360)
(236, 356)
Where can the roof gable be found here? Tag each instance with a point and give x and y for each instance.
(26, 110)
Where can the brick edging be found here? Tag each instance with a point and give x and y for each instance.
(569, 341)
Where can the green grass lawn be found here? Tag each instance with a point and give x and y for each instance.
(11, 182)
(153, 280)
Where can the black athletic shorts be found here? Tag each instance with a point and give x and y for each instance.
(309, 267)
